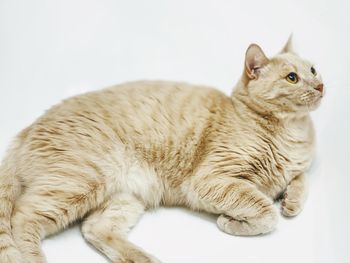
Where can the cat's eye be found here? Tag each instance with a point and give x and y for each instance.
(313, 71)
(292, 78)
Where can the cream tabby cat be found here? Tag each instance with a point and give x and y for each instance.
(105, 157)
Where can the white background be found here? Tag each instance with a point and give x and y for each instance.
(53, 49)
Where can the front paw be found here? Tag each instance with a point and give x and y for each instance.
(260, 224)
(292, 203)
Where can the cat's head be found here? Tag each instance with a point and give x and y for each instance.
(285, 83)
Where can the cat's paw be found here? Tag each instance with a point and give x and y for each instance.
(251, 227)
(292, 203)
(232, 226)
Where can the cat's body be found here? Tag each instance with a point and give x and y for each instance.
(106, 156)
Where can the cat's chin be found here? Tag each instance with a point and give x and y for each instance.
(315, 104)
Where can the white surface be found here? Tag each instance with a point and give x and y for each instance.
(53, 49)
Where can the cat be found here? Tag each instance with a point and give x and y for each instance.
(105, 157)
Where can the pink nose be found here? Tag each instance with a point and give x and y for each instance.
(319, 88)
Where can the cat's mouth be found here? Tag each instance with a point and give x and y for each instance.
(310, 102)
(316, 102)
(311, 99)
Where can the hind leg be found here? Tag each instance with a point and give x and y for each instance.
(30, 224)
(107, 227)
(38, 214)
(28, 230)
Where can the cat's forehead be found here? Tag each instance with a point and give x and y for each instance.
(291, 61)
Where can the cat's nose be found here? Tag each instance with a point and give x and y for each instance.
(319, 88)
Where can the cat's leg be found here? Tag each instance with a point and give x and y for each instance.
(27, 229)
(294, 196)
(244, 209)
(30, 224)
(44, 211)
(107, 228)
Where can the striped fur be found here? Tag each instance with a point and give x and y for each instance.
(107, 156)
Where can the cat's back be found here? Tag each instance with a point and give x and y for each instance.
(139, 112)
(161, 110)
(144, 97)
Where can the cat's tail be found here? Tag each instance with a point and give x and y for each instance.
(9, 190)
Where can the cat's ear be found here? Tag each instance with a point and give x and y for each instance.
(255, 59)
(288, 47)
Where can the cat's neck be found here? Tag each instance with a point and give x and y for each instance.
(261, 111)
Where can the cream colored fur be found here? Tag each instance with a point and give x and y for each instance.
(107, 156)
